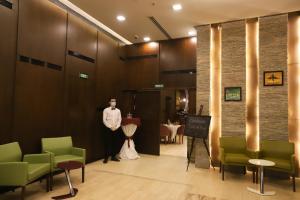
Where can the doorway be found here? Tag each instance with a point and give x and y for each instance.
(176, 103)
(160, 109)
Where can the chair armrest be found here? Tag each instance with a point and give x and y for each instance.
(13, 173)
(293, 164)
(37, 158)
(79, 152)
(222, 155)
(253, 154)
(52, 155)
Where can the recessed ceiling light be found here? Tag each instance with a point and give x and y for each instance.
(192, 33)
(121, 18)
(147, 39)
(177, 7)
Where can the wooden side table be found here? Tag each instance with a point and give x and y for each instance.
(67, 166)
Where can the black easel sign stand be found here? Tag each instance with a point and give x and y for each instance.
(197, 127)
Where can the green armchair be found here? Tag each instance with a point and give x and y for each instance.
(17, 173)
(233, 151)
(282, 153)
(61, 150)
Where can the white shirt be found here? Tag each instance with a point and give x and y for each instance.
(112, 118)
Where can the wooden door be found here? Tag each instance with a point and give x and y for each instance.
(147, 137)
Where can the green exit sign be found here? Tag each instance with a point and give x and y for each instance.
(83, 76)
(159, 85)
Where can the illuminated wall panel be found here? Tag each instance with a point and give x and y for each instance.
(294, 80)
(252, 84)
(215, 89)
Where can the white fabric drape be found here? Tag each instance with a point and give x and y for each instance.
(128, 151)
(173, 128)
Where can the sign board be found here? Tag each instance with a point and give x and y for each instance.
(83, 76)
(197, 126)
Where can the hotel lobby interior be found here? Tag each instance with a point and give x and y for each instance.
(150, 99)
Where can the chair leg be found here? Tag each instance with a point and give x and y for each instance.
(223, 172)
(47, 182)
(245, 170)
(82, 174)
(23, 192)
(256, 176)
(294, 183)
(51, 181)
(253, 175)
(220, 167)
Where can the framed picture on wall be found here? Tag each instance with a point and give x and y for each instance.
(233, 94)
(273, 78)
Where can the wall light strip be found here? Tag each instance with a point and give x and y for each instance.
(215, 89)
(252, 84)
(88, 17)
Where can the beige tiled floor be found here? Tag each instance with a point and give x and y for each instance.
(156, 178)
(174, 149)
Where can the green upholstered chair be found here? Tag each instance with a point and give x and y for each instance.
(61, 150)
(17, 173)
(233, 151)
(282, 153)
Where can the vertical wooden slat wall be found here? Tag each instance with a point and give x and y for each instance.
(41, 92)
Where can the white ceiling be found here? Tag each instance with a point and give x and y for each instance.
(177, 24)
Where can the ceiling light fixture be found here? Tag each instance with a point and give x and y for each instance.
(177, 7)
(121, 18)
(88, 17)
(147, 39)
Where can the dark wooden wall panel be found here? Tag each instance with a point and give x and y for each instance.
(82, 37)
(110, 70)
(42, 31)
(39, 94)
(162, 62)
(142, 73)
(178, 80)
(38, 105)
(177, 54)
(39, 101)
(80, 105)
(80, 115)
(142, 49)
(147, 137)
(109, 83)
(8, 35)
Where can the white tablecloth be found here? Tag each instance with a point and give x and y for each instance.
(173, 129)
(128, 151)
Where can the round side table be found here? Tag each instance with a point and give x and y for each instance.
(260, 163)
(67, 166)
